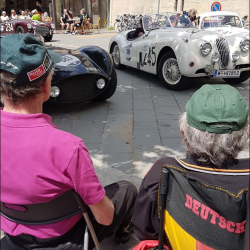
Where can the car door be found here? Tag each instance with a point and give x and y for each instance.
(128, 51)
(146, 52)
(7, 28)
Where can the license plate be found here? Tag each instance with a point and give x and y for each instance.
(227, 73)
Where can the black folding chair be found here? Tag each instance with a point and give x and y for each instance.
(164, 198)
(65, 206)
(247, 232)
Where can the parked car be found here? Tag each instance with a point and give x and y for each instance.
(21, 26)
(173, 49)
(83, 74)
(222, 20)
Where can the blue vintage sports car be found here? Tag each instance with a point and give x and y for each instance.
(83, 74)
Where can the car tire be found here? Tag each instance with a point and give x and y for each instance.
(110, 90)
(173, 80)
(116, 57)
(19, 30)
(48, 38)
(243, 77)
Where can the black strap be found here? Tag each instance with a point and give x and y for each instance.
(58, 209)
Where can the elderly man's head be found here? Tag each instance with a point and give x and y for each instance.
(23, 13)
(26, 69)
(215, 125)
(13, 12)
(4, 13)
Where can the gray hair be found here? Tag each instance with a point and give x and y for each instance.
(192, 11)
(211, 148)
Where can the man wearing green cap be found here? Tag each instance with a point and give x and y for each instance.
(207, 191)
(40, 162)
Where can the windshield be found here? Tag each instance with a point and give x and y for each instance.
(179, 20)
(166, 20)
(221, 21)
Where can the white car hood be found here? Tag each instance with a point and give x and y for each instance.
(212, 34)
(229, 31)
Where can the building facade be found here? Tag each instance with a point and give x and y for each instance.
(55, 8)
(144, 7)
(109, 9)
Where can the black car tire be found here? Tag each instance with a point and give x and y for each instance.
(110, 90)
(48, 38)
(243, 77)
(115, 52)
(174, 80)
(19, 30)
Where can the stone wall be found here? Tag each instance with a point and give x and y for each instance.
(133, 7)
(240, 7)
(144, 7)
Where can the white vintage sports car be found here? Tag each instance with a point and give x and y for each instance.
(222, 20)
(173, 49)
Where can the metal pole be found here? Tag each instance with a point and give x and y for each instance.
(54, 13)
(159, 6)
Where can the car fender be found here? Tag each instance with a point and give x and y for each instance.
(187, 50)
(98, 57)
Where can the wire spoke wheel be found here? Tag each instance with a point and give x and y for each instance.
(116, 55)
(171, 71)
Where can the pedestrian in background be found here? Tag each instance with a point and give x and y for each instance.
(40, 8)
(244, 19)
(13, 15)
(86, 15)
(35, 15)
(64, 18)
(4, 17)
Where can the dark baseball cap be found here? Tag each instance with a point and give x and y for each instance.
(217, 109)
(26, 58)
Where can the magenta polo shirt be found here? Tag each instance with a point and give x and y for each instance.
(39, 163)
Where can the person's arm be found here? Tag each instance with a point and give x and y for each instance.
(146, 206)
(81, 177)
(103, 211)
(81, 20)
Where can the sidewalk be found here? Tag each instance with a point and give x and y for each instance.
(101, 31)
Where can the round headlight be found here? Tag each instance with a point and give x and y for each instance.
(215, 57)
(29, 26)
(55, 91)
(100, 83)
(52, 26)
(205, 48)
(235, 55)
(244, 45)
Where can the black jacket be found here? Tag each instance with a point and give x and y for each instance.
(146, 213)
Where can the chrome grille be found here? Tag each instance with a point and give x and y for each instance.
(223, 49)
(42, 30)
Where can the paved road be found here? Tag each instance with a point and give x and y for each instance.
(138, 125)
(135, 127)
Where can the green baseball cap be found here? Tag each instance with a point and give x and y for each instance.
(26, 58)
(217, 109)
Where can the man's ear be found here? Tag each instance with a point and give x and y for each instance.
(182, 132)
(46, 88)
